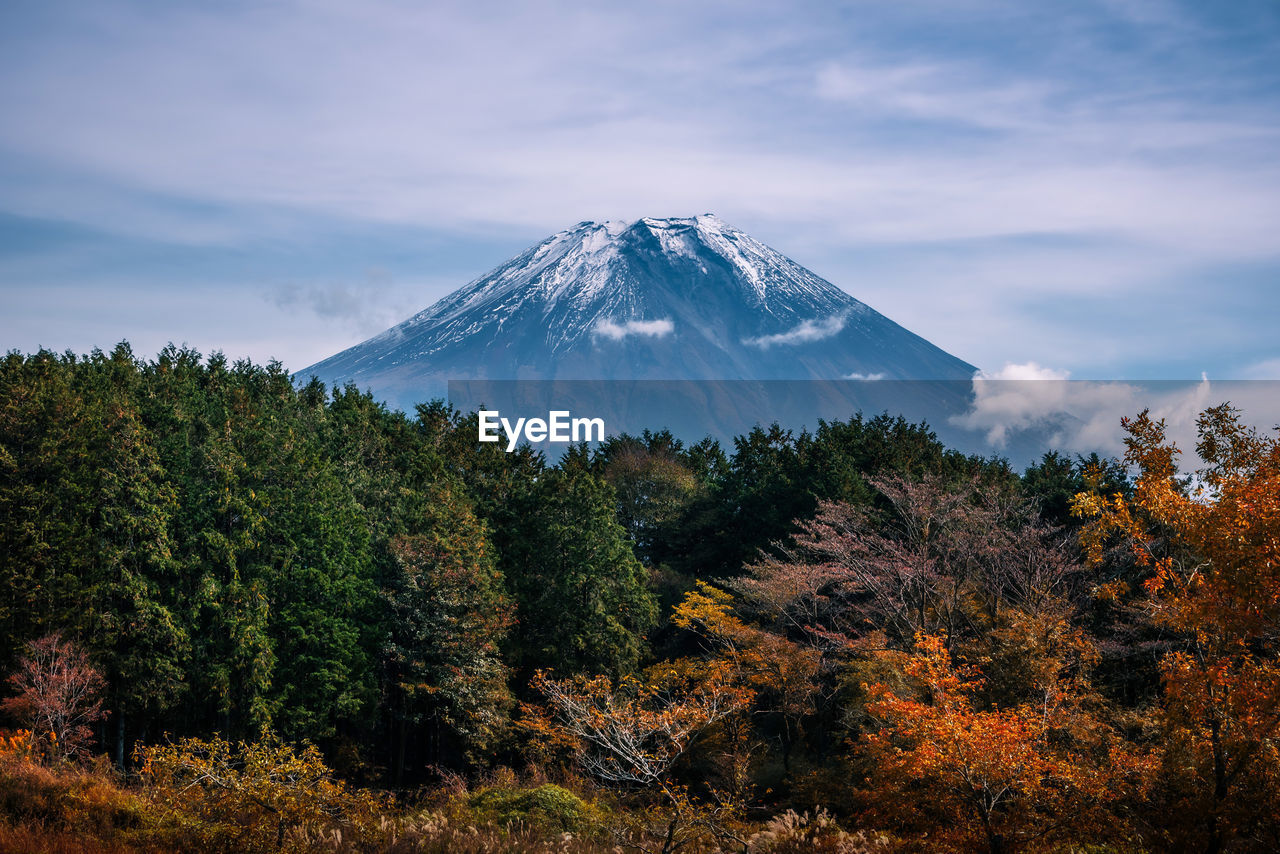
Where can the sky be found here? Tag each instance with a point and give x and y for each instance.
(1092, 187)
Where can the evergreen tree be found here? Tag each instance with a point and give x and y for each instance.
(582, 601)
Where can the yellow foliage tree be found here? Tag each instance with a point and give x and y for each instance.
(779, 672)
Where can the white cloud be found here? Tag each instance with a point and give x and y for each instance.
(1080, 416)
(337, 112)
(864, 377)
(607, 328)
(803, 333)
(937, 91)
(1027, 371)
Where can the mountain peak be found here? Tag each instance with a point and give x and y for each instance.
(656, 298)
(615, 228)
(706, 220)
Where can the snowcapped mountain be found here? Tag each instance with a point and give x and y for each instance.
(672, 299)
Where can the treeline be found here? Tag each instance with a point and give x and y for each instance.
(855, 619)
(238, 552)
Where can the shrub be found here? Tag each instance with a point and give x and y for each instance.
(58, 695)
(546, 808)
(250, 795)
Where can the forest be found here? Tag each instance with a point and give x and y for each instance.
(243, 613)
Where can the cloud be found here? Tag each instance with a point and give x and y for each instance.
(1077, 416)
(864, 377)
(935, 91)
(592, 111)
(803, 333)
(1028, 371)
(1081, 416)
(364, 308)
(607, 328)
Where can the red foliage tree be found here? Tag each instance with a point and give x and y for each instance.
(58, 695)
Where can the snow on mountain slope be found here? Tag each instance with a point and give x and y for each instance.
(679, 298)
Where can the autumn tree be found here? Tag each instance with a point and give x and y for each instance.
(629, 735)
(938, 560)
(989, 776)
(1211, 551)
(970, 567)
(782, 674)
(848, 576)
(58, 696)
(450, 614)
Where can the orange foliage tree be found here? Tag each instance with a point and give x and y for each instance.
(1212, 550)
(782, 674)
(994, 778)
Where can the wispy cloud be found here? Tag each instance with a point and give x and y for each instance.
(364, 308)
(941, 92)
(608, 328)
(592, 112)
(803, 333)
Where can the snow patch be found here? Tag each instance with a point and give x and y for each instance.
(809, 330)
(596, 239)
(607, 328)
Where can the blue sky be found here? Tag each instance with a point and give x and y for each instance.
(1091, 186)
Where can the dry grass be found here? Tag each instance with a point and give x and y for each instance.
(76, 810)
